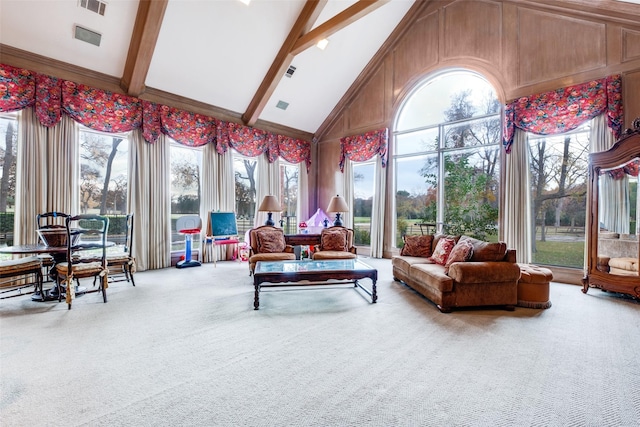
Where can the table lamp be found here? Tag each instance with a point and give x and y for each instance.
(270, 204)
(338, 205)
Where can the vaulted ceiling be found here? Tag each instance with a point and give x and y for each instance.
(224, 54)
(225, 58)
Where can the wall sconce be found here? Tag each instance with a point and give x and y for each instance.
(338, 205)
(270, 204)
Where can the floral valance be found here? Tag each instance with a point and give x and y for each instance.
(111, 112)
(565, 109)
(629, 169)
(360, 148)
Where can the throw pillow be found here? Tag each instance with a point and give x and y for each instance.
(486, 251)
(271, 241)
(461, 252)
(442, 250)
(334, 240)
(417, 246)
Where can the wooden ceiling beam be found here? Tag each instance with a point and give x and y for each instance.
(143, 43)
(305, 21)
(335, 24)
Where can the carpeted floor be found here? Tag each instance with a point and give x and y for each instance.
(185, 348)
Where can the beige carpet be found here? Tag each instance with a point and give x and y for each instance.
(185, 347)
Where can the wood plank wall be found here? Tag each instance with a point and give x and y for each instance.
(521, 47)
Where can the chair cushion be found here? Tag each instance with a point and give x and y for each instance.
(270, 241)
(17, 266)
(419, 246)
(334, 240)
(334, 255)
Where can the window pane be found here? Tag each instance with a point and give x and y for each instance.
(185, 190)
(8, 142)
(364, 186)
(245, 172)
(417, 142)
(416, 197)
(473, 133)
(559, 166)
(289, 194)
(471, 192)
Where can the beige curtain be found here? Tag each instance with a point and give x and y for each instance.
(218, 189)
(377, 215)
(613, 203)
(149, 197)
(302, 210)
(346, 191)
(517, 184)
(48, 172)
(268, 183)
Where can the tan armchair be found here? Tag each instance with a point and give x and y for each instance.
(336, 243)
(267, 244)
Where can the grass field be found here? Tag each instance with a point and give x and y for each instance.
(565, 254)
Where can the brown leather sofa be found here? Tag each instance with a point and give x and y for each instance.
(268, 244)
(489, 278)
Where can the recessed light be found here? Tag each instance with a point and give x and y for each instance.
(322, 44)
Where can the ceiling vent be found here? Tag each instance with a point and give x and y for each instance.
(87, 35)
(282, 105)
(290, 71)
(96, 6)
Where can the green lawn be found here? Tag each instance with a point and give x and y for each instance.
(565, 254)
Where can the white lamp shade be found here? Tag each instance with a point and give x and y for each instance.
(270, 204)
(338, 204)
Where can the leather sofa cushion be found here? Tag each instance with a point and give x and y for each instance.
(486, 251)
(432, 275)
(484, 272)
(404, 263)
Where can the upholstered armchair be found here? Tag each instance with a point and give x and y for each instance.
(335, 243)
(267, 244)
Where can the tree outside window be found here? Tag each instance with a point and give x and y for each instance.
(8, 142)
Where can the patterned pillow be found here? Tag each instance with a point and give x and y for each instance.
(461, 252)
(334, 240)
(271, 241)
(417, 246)
(442, 250)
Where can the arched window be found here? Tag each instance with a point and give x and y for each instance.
(446, 156)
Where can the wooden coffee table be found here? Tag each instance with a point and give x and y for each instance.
(313, 273)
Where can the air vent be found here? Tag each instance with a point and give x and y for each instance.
(290, 71)
(87, 35)
(282, 105)
(96, 6)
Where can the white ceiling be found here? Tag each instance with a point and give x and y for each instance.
(216, 51)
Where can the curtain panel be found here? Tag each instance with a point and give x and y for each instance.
(360, 148)
(111, 112)
(565, 109)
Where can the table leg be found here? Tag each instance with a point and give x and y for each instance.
(374, 293)
(256, 298)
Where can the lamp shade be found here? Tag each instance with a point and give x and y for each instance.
(270, 204)
(338, 204)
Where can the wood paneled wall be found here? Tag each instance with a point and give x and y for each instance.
(521, 47)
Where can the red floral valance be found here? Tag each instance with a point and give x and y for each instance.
(630, 169)
(360, 148)
(111, 112)
(565, 109)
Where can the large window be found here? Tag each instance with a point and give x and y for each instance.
(363, 194)
(446, 156)
(8, 142)
(289, 194)
(245, 171)
(559, 165)
(186, 164)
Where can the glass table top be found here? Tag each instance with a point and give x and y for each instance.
(311, 265)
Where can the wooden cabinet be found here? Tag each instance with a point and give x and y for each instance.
(612, 217)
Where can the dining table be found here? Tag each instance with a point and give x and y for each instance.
(58, 254)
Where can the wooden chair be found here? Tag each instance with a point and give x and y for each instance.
(268, 244)
(84, 232)
(124, 262)
(54, 221)
(336, 243)
(17, 273)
